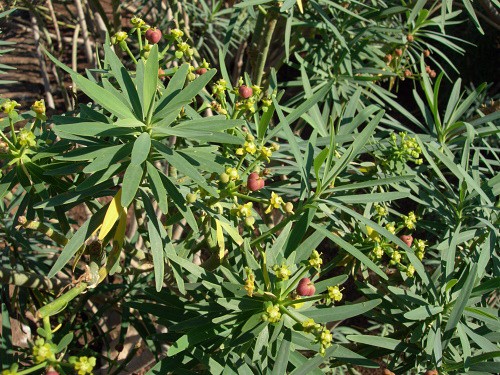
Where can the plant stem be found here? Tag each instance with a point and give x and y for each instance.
(32, 369)
(249, 198)
(285, 311)
(303, 300)
(264, 48)
(13, 131)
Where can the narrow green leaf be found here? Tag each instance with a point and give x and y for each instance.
(131, 181)
(281, 362)
(142, 146)
(157, 252)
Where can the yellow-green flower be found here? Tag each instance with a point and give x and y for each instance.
(26, 138)
(310, 326)
(377, 251)
(266, 152)
(176, 33)
(282, 272)
(232, 173)
(120, 36)
(381, 210)
(250, 147)
(315, 260)
(420, 245)
(137, 22)
(274, 202)
(85, 365)
(39, 108)
(334, 293)
(9, 106)
(245, 210)
(396, 256)
(391, 228)
(249, 282)
(410, 220)
(325, 340)
(410, 270)
(272, 314)
(43, 351)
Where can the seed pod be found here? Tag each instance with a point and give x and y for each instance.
(427, 53)
(410, 38)
(153, 35)
(427, 69)
(51, 371)
(399, 52)
(388, 57)
(407, 239)
(407, 73)
(161, 74)
(431, 372)
(305, 288)
(245, 91)
(432, 74)
(201, 71)
(255, 182)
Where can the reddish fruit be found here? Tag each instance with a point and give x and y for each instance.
(201, 71)
(161, 73)
(427, 53)
(398, 52)
(407, 239)
(255, 182)
(51, 371)
(388, 58)
(407, 73)
(427, 69)
(431, 372)
(432, 74)
(153, 35)
(410, 38)
(245, 91)
(305, 288)
(388, 372)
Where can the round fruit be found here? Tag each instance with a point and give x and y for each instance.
(407, 239)
(407, 73)
(245, 91)
(201, 71)
(399, 52)
(153, 35)
(51, 371)
(427, 53)
(255, 182)
(431, 372)
(410, 38)
(161, 74)
(432, 74)
(305, 288)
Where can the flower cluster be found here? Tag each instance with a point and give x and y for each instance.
(323, 335)
(334, 293)
(282, 272)
(44, 351)
(315, 260)
(83, 365)
(249, 282)
(272, 313)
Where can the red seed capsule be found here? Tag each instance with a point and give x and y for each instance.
(427, 53)
(305, 288)
(399, 52)
(410, 38)
(245, 91)
(407, 73)
(201, 71)
(255, 182)
(432, 74)
(153, 35)
(407, 239)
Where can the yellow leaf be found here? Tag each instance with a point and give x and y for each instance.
(112, 214)
(301, 9)
(220, 239)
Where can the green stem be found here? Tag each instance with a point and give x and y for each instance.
(303, 300)
(249, 198)
(265, 273)
(7, 140)
(47, 328)
(13, 131)
(139, 38)
(33, 369)
(285, 311)
(131, 55)
(264, 48)
(44, 229)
